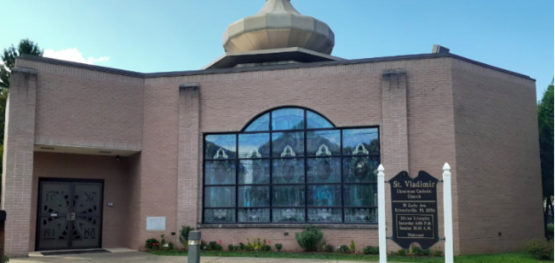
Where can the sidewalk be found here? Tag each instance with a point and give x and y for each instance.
(139, 257)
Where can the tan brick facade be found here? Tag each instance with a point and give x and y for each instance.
(430, 110)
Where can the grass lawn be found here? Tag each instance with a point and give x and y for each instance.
(517, 257)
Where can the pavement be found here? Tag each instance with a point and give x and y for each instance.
(127, 255)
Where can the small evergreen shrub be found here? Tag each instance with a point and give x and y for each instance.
(230, 247)
(242, 246)
(184, 235)
(402, 252)
(370, 250)
(417, 251)
(171, 246)
(6, 259)
(236, 248)
(266, 248)
(279, 247)
(426, 252)
(438, 253)
(329, 248)
(309, 238)
(343, 249)
(540, 249)
(213, 245)
(353, 247)
(152, 243)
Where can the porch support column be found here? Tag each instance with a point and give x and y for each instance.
(17, 179)
(394, 134)
(188, 171)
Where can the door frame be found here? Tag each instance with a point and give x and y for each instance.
(67, 180)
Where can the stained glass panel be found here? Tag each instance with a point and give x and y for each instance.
(254, 196)
(288, 144)
(220, 147)
(324, 170)
(323, 143)
(254, 171)
(358, 169)
(290, 195)
(361, 141)
(315, 121)
(221, 196)
(254, 215)
(219, 172)
(361, 215)
(288, 119)
(254, 145)
(324, 215)
(288, 215)
(360, 195)
(288, 171)
(324, 195)
(260, 124)
(219, 215)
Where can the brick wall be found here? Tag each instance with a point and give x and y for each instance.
(499, 183)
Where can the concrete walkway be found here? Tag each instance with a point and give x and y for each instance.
(139, 257)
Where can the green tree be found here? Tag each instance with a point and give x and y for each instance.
(545, 125)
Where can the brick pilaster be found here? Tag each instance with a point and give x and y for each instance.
(17, 179)
(189, 166)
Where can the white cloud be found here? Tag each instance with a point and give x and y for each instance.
(72, 54)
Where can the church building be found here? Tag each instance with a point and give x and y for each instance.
(274, 135)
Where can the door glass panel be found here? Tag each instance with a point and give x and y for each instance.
(54, 205)
(87, 198)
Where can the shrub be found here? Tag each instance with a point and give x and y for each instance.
(242, 246)
(370, 250)
(256, 245)
(309, 238)
(343, 249)
(230, 247)
(213, 245)
(540, 249)
(184, 235)
(171, 246)
(236, 248)
(203, 245)
(6, 259)
(426, 252)
(438, 253)
(417, 251)
(402, 252)
(329, 248)
(266, 248)
(279, 247)
(352, 246)
(152, 243)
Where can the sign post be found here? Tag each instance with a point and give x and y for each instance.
(414, 209)
(381, 215)
(448, 213)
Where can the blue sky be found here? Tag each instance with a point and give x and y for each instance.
(174, 35)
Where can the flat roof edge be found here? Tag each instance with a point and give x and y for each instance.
(261, 68)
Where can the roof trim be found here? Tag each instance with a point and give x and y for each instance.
(263, 68)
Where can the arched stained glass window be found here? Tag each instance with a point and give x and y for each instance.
(291, 165)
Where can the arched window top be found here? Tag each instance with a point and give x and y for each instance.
(291, 118)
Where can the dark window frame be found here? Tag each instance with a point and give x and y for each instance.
(342, 156)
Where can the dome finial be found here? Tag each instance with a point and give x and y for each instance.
(278, 25)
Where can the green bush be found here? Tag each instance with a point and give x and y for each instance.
(6, 259)
(370, 250)
(417, 251)
(343, 249)
(184, 235)
(426, 252)
(236, 248)
(438, 253)
(309, 238)
(329, 248)
(152, 243)
(352, 246)
(230, 247)
(213, 245)
(278, 247)
(266, 248)
(540, 249)
(402, 252)
(241, 246)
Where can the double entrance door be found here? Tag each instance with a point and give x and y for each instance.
(69, 214)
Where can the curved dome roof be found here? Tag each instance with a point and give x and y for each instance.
(279, 25)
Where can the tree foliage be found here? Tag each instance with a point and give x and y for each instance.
(545, 122)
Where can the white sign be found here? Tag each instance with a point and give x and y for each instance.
(156, 223)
